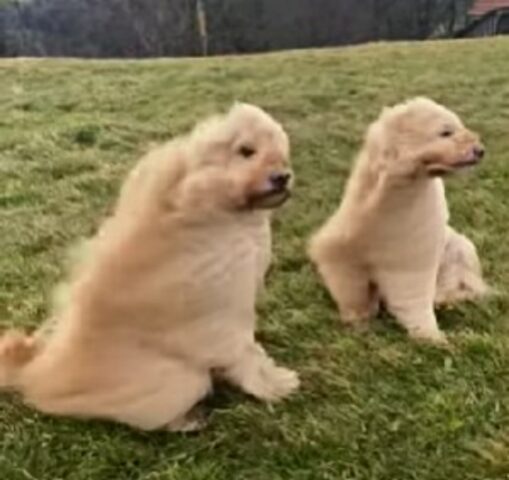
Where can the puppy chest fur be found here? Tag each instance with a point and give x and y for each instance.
(409, 231)
(193, 292)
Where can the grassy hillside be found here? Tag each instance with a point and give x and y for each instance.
(375, 407)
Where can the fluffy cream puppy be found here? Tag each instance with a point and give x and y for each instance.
(390, 240)
(165, 294)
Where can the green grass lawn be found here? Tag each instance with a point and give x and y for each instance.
(371, 407)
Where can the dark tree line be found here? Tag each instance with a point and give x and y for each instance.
(148, 28)
(98, 28)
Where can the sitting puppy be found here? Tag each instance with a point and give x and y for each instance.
(390, 240)
(165, 295)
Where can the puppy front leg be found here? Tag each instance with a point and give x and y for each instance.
(257, 374)
(263, 255)
(409, 297)
(192, 421)
(350, 287)
(420, 322)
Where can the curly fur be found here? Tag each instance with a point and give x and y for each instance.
(164, 295)
(390, 240)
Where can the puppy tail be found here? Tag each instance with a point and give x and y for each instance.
(17, 349)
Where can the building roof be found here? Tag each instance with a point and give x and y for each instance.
(481, 7)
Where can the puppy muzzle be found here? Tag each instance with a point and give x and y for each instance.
(275, 191)
(471, 157)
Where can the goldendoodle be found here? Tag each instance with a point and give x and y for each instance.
(165, 295)
(390, 241)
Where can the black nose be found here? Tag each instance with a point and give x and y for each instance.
(280, 180)
(479, 152)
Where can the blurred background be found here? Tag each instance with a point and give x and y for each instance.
(155, 28)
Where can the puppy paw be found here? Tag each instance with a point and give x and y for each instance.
(258, 375)
(433, 337)
(359, 320)
(275, 383)
(193, 421)
(358, 325)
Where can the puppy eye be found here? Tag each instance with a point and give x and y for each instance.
(247, 151)
(446, 133)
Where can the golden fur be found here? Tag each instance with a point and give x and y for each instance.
(165, 294)
(390, 240)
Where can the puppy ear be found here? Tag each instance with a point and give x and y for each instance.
(379, 150)
(238, 106)
(211, 131)
(386, 116)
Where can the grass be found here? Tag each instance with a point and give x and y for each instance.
(373, 407)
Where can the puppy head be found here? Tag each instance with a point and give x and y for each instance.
(421, 138)
(249, 151)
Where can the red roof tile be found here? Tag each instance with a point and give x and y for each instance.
(480, 7)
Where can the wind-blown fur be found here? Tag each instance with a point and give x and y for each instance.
(164, 296)
(390, 240)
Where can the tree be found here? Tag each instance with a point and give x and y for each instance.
(145, 28)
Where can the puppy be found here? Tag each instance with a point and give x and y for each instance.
(390, 240)
(164, 294)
